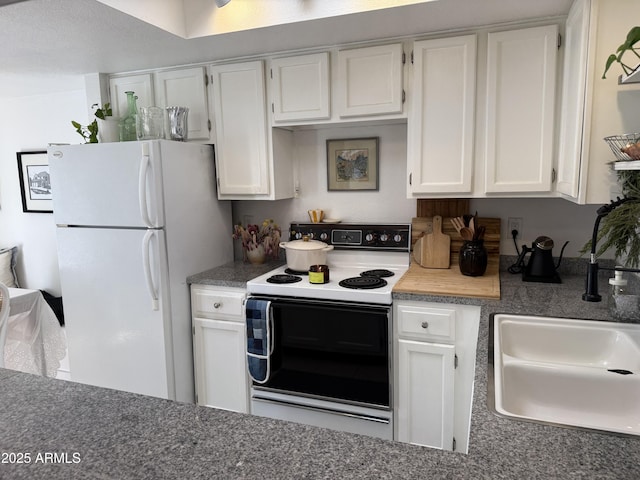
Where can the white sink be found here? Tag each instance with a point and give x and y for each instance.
(571, 372)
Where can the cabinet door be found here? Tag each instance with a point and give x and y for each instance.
(141, 85)
(186, 88)
(369, 81)
(521, 86)
(441, 115)
(300, 87)
(425, 394)
(241, 136)
(220, 365)
(576, 43)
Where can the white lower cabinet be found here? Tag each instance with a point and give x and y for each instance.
(425, 393)
(219, 337)
(435, 348)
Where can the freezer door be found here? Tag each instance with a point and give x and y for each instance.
(116, 338)
(107, 184)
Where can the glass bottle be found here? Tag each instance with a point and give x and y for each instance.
(128, 122)
(473, 258)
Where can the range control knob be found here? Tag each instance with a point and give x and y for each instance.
(324, 236)
(397, 238)
(298, 235)
(384, 237)
(369, 237)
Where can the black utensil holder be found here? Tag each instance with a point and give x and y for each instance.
(473, 258)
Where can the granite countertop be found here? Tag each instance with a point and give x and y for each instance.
(233, 274)
(100, 433)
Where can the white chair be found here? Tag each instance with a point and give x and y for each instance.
(4, 318)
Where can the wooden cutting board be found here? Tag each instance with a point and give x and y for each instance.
(421, 226)
(433, 249)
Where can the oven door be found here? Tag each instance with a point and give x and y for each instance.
(335, 351)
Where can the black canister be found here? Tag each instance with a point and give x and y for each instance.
(473, 258)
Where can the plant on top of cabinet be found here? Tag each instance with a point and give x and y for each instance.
(633, 37)
(90, 131)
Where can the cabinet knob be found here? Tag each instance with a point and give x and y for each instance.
(217, 305)
(425, 324)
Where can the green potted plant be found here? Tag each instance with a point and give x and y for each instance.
(633, 38)
(108, 129)
(104, 127)
(620, 229)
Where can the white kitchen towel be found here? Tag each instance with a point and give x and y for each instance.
(258, 339)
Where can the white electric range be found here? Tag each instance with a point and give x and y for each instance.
(326, 354)
(374, 251)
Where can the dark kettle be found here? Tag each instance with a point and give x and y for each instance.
(540, 267)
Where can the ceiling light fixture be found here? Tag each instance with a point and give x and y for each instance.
(222, 3)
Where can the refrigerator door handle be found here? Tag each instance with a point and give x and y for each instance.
(145, 166)
(146, 264)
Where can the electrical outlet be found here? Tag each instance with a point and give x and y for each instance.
(514, 223)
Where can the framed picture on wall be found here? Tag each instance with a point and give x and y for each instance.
(352, 164)
(35, 182)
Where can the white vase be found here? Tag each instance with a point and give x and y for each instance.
(108, 130)
(257, 255)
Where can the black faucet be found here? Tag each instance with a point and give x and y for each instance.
(591, 294)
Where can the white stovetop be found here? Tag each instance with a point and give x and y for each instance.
(341, 265)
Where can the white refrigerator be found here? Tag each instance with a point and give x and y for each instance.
(134, 220)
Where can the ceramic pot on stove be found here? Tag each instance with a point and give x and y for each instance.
(301, 254)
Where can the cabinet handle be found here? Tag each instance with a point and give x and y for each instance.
(217, 305)
(425, 324)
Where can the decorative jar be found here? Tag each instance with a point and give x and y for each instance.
(473, 258)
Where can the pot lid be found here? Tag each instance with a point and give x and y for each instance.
(305, 244)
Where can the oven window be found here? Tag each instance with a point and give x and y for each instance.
(340, 352)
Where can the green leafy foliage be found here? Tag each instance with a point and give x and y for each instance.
(620, 229)
(104, 111)
(90, 132)
(633, 37)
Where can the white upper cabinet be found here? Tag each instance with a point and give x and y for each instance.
(440, 136)
(519, 131)
(186, 88)
(300, 88)
(369, 81)
(241, 132)
(141, 85)
(593, 107)
(576, 44)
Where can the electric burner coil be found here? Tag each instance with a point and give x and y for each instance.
(282, 278)
(363, 282)
(379, 272)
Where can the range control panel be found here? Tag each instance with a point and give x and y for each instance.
(395, 236)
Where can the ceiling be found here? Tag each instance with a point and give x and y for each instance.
(48, 45)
